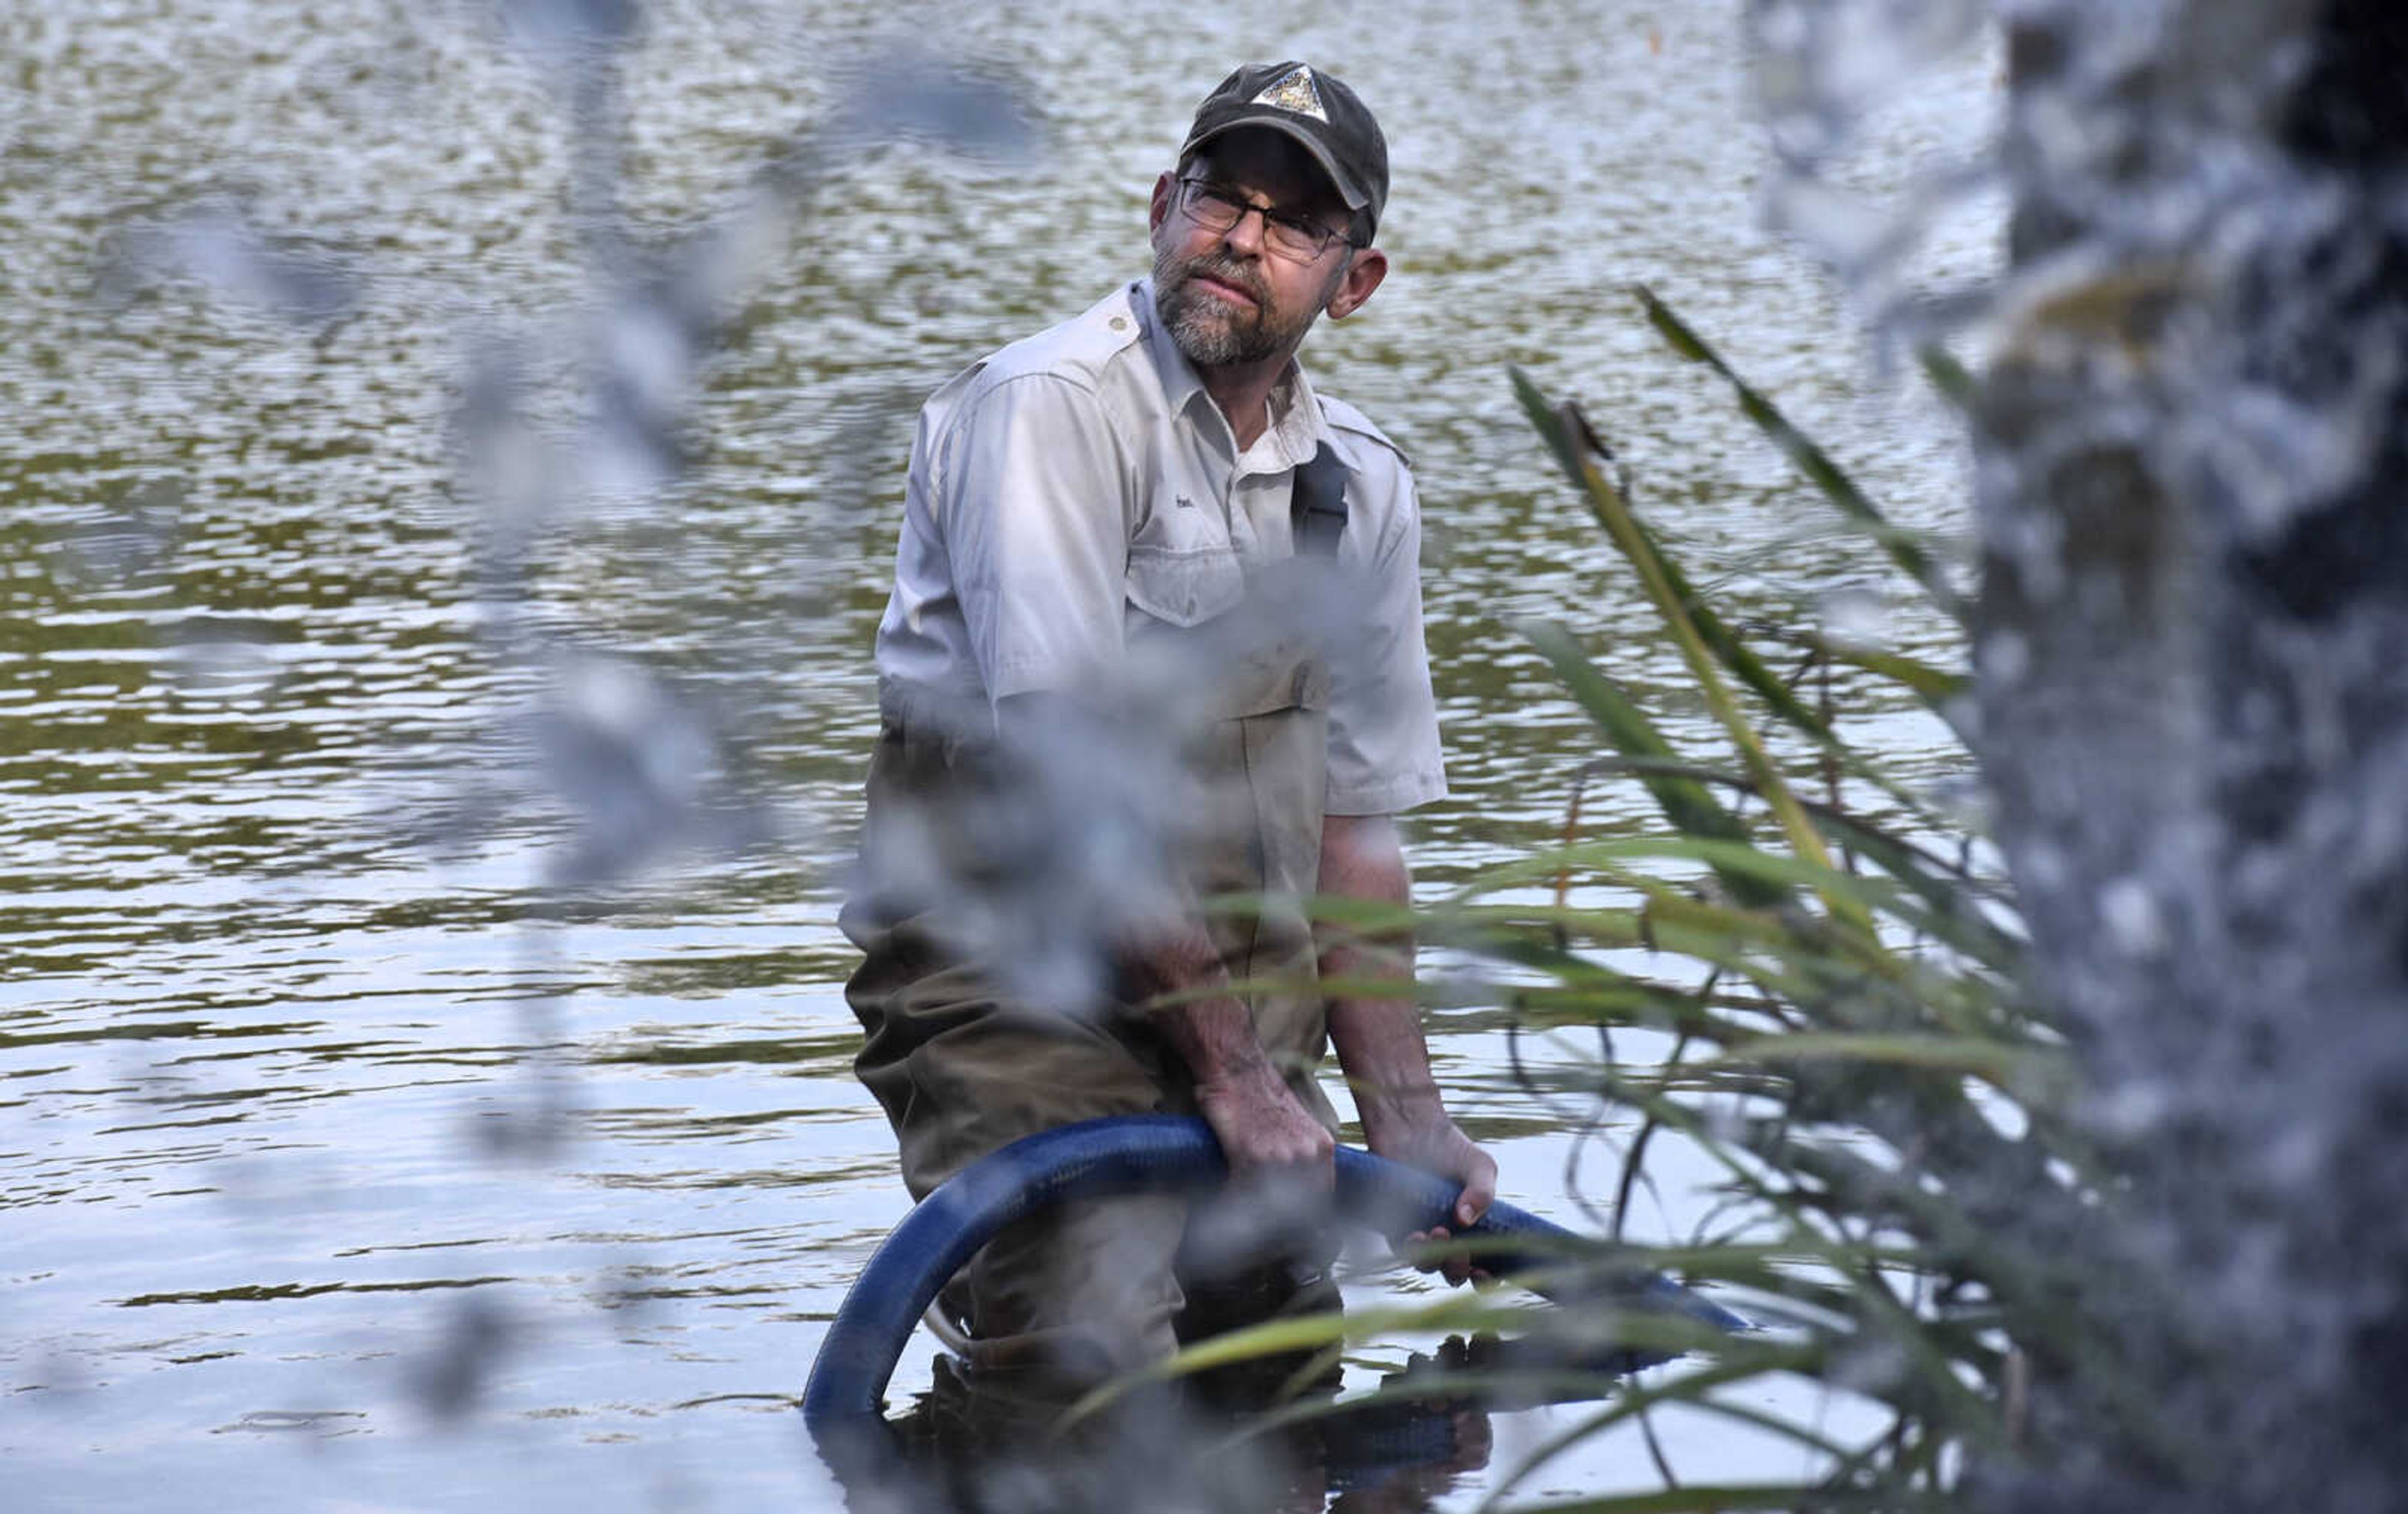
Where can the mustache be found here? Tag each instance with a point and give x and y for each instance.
(1228, 271)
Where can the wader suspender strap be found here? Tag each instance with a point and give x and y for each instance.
(1318, 512)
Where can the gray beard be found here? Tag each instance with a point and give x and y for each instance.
(1208, 331)
(1209, 337)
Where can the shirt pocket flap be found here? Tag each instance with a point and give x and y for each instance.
(1184, 587)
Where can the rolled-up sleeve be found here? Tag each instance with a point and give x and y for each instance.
(1032, 502)
(1383, 738)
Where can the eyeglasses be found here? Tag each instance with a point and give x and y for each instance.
(1219, 208)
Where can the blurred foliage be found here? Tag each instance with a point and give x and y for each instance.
(1838, 968)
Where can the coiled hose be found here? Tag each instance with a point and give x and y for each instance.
(1097, 1158)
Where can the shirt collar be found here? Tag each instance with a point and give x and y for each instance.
(1295, 413)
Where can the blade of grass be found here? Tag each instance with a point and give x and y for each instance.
(1950, 377)
(1811, 459)
(1690, 808)
(1569, 436)
(1952, 894)
(2007, 1068)
(1612, 511)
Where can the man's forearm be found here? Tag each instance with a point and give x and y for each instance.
(1211, 1031)
(1386, 1061)
(1376, 1035)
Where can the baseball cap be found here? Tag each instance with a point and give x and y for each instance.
(1315, 109)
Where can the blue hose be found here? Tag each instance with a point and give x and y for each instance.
(1125, 1154)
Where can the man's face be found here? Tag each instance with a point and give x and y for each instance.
(1227, 297)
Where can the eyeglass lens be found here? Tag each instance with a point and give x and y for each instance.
(1217, 209)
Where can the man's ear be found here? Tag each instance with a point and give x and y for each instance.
(1362, 276)
(1158, 210)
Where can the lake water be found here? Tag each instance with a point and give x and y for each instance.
(334, 1172)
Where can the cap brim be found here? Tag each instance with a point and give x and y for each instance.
(1355, 196)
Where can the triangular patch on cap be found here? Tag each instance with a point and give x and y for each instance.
(1295, 91)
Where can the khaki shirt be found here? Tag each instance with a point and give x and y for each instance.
(1078, 482)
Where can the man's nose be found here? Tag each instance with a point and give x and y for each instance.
(1246, 235)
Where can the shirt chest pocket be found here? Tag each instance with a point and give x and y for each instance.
(1183, 586)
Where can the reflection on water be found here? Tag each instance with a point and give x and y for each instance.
(981, 1449)
(278, 1007)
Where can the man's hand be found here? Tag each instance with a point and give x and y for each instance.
(1431, 1142)
(1264, 1131)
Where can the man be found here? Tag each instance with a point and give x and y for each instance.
(1110, 645)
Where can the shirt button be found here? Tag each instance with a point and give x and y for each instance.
(1120, 323)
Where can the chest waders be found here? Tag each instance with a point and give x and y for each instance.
(961, 1070)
